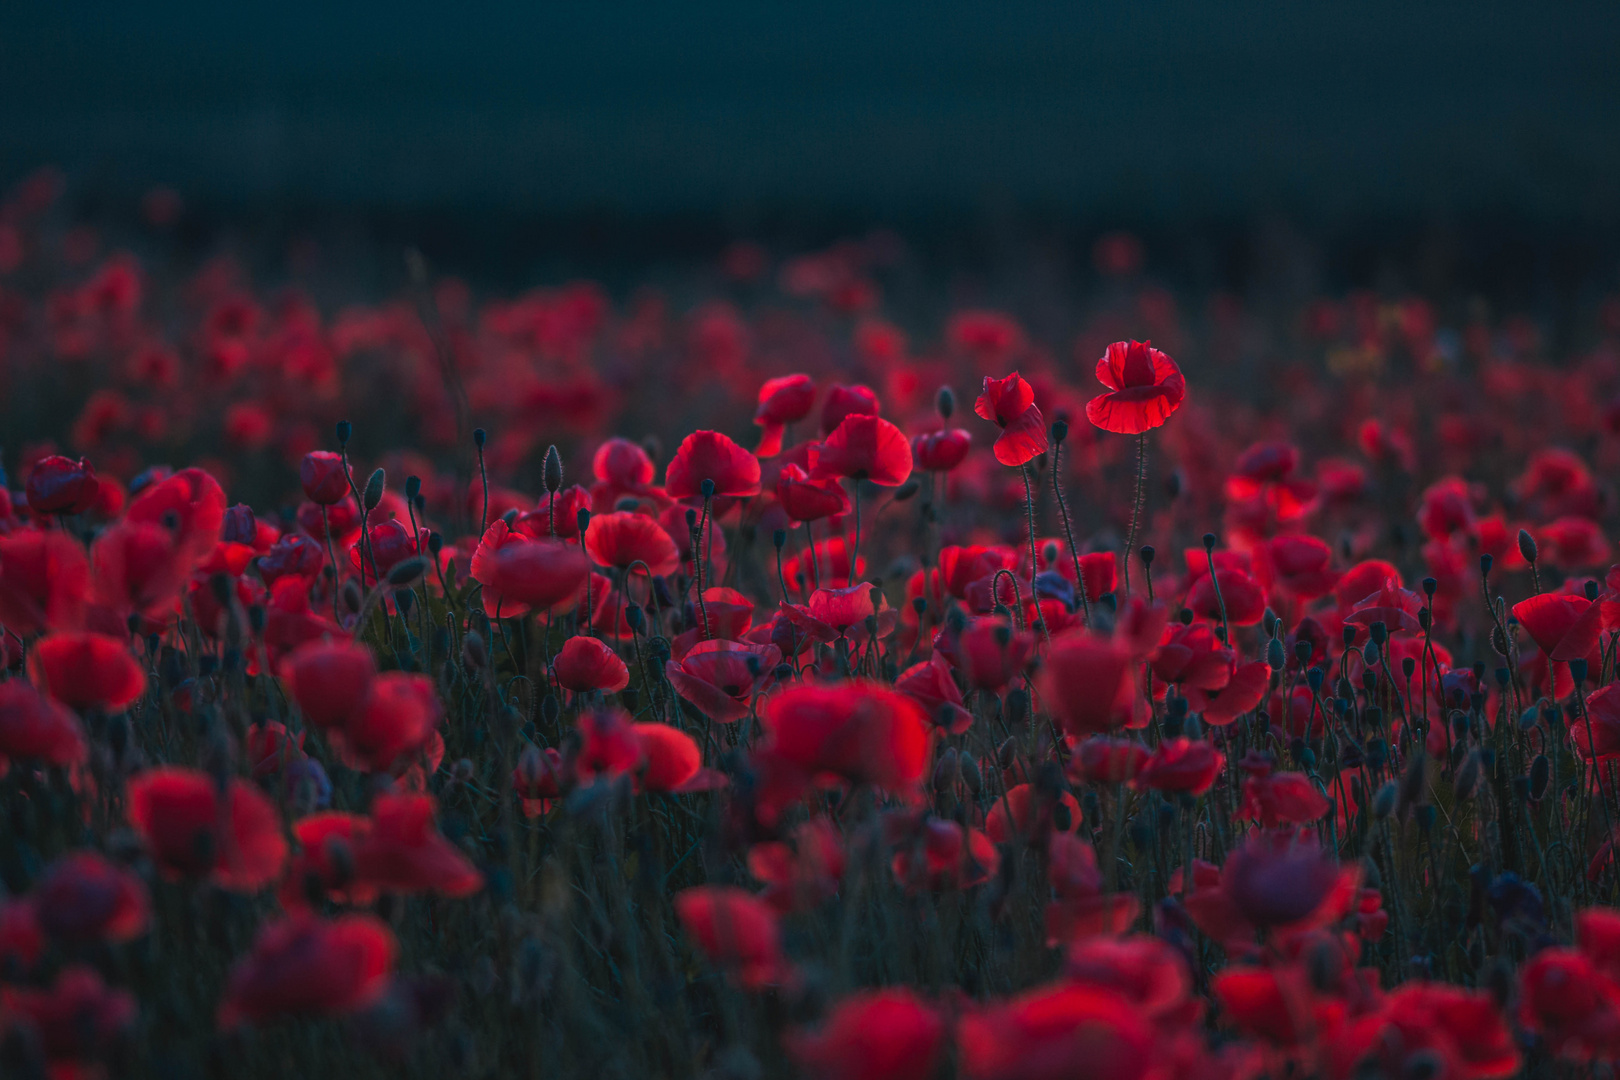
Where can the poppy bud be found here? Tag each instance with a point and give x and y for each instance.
(435, 544)
(1146, 554)
(480, 437)
(1527, 545)
(1577, 670)
(60, 485)
(583, 520)
(972, 779)
(1209, 541)
(1425, 618)
(413, 487)
(1485, 564)
(1591, 590)
(946, 770)
(1540, 774)
(633, 616)
(473, 653)
(1369, 653)
(1268, 622)
(1274, 655)
(344, 431)
(374, 489)
(407, 572)
(1429, 585)
(906, 490)
(1060, 431)
(945, 402)
(1384, 801)
(1408, 666)
(1007, 753)
(240, 527)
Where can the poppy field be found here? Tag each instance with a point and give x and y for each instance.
(734, 678)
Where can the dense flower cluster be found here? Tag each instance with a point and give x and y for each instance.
(1118, 733)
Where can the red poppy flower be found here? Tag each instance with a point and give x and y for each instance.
(520, 574)
(137, 569)
(671, 760)
(937, 854)
(396, 720)
(1462, 1030)
(402, 851)
(1148, 971)
(329, 680)
(177, 812)
(721, 677)
(989, 652)
(865, 447)
(620, 539)
(342, 521)
(1192, 656)
(1288, 798)
(586, 663)
(60, 485)
(1287, 880)
(1024, 812)
(1086, 683)
(845, 401)
(44, 582)
(1181, 765)
(804, 499)
(391, 543)
(1044, 1032)
(307, 966)
(709, 455)
(86, 671)
(941, 451)
(1563, 625)
(324, 863)
(802, 872)
(873, 1035)
(782, 401)
(324, 477)
(82, 897)
(1010, 404)
(1574, 1007)
(1573, 543)
(76, 1021)
(1391, 605)
(292, 555)
(190, 504)
(1144, 385)
(930, 684)
(737, 931)
(1104, 760)
(861, 731)
(1300, 565)
(1245, 688)
(1244, 600)
(35, 728)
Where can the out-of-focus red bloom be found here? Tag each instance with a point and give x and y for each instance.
(324, 477)
(941, 451)
(709, 455)
(807, 499)
(35, 728)
(937, 854)
(391, 543)
(292, 555)
(1263, 485)
(402, 851)
(77, 1020)
(737, 932)
(397, 720)
(1144, 388)
(782, 401)
(1447, 508)
(1461, 1032)
(538, 779)
(873, 1035)
(1243, 599)
(1086, 683)
(1009, 403)
(803, 871)
(190, 504)
(1391, 605)
(342, 521)
(1148, 971)
(60, 485)
(137, 569)
(86, 671)
(82, 897)
(1571, 1004)
(21, 939)
(586, 663)
(671, 760)
(308, 966)
(1043, 1033)
(178, 813)
(1280, 880)
(1079, 908)
(1191, 656)
(608, 746)
(620, 539)
(1564, 626)
(329, 680)
(1273, 799)
(865, 447)
(721, 677)
(44, 582)
(930, 684)
(1602, 741)
(1180, 765)
(844, 401)
(520, 574)
(270, 746)
(1023, 811)
(324, 863)
(861, 731)
(1104, 760)
(1573, 543)
(1299, 565)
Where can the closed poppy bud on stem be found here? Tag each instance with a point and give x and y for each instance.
(1060, 431)
(413, 487)
(407, 572)
(344, 431)
(945, 402)
(553, 470)
(374, 489)
(1527, 545)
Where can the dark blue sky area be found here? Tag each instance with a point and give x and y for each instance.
(1162, 108)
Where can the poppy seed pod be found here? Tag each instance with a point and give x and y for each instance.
(345, 431)
(480, 437)
(413, 487)
(374, 489)
(945, 402)
(1060, 431)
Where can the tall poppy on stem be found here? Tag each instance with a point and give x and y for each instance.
(1010, 404)
(864, 446)
(1144, 388)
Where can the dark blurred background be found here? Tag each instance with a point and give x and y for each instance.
(611, 130)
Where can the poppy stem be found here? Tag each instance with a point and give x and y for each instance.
(483, 477)
(1059, 432)
(331, 557)
(697, 558)
(854, 552)
(1034, 560)
(1214, 580)
(1136, 505)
